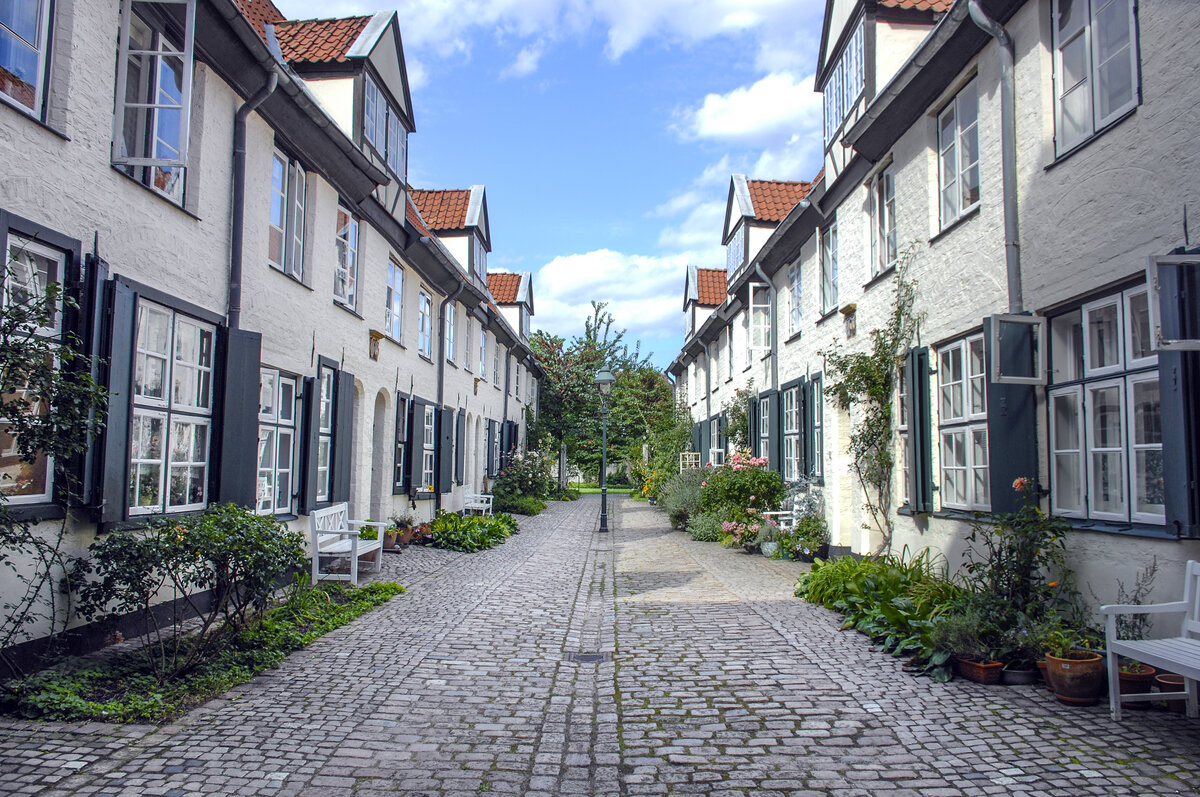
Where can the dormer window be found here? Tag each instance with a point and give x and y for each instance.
(479, 256)
(383, 129)
(735, 250)
(844, 85)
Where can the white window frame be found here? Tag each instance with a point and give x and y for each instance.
(479, 256)
(883, 221)
(175, 408)
(1078, 455)
(393, 311)
(482, 352)
(844, 85)
(39, 46)
(467, 346)
(451, 312)
(1089, 407)
(764, 428)
(1089, 85)
(735, 250)
(517, 380)
(345, 269)
(326, 389)
(276, 420)
(729, 353)
(1154, 265)
(1090, 371)
(829, 268)
(289, 200)
(496, 364)
(953, 151)
(1131, 360)
(428, 450)
(791, 433)
(795, 286)
(967, 424)
(817, 466)
(903, 409)
(424, 323)
(1133, 447)
(716, 454)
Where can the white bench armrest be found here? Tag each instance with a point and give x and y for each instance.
(1148, 608)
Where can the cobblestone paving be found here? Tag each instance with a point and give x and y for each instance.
(637, 662)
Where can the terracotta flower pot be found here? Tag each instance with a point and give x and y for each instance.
(1170, 682)
(1041, 665)
(1137, 683)
(981, 672)
(1077, 681)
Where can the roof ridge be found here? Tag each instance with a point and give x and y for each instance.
(323, 19)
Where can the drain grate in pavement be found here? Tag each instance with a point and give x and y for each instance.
(589, 658)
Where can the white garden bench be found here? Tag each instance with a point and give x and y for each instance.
(480, 503)
(335, 536)
(1179, 654)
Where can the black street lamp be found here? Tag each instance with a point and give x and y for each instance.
(604, 383)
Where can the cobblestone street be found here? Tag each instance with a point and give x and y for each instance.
(637, 662)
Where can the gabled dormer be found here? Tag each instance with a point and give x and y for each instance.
(703, 293)
(752, 212)
(863, 44)
(513, 295)
(354, 66)
(460, 219)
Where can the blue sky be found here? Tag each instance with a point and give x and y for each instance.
(605, 132)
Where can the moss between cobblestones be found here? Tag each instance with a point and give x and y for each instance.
(121, 688)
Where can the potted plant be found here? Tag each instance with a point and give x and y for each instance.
(769, 539)
(1077, 674)
(399, 534)
(960, 633)
(811, 538)
(1019, 649)
(1135, 679)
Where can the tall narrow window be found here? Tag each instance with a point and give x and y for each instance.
(735, 250)
(399, 471)
(958, 150)
(764, 428)
(829, 268)
(24, 30)
(794, 306)
(424, 324)
(904, 409)
(285, 234)
(345, 271)
(428, 449)
(467, 344)
(172, 413)
(728, 352)
(496, 364)
(716, 451)
(760, 318)
(276, 442)
(883, 221)
(962, 421)
(479, 256)
(451, 311)
(1095, 67)
(482, 352)
(816, 429)
(325, 386)
(791, 433)
(154, 98)
(393, 315)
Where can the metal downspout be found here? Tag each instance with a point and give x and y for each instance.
(1008, 149)
(441, 391)
(758, 272)
(236, 234)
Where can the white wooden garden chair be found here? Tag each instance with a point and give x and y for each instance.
(336, 536)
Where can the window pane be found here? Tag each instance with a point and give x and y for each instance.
(980, 482)
(1074, 62)
(287, 400)
(1066, 336)
(1066, 422)
(978, 378)
(19, 478)
(1110, 31)
(1106, 417)
(1104, 338)
(265, 492)
(1147, 413)
(1107, 483)
(1137, 321)
(266, 394)
(1072, 16)
(1068, 488)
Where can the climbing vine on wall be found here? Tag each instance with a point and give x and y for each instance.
(864, 383)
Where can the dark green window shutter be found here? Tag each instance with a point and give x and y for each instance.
(777, 431)
(416, 446)
(237, 472)
(752, 425)
(92, 329)
(705, 442)
(488, 469)
(343, 437)
(399, 464)
(308, 436)
(920, 432)
(460, 438)
(114, 486)
(1012, 426)
(445, 450)
(802, 443)
(1179, 389)
(695, 437)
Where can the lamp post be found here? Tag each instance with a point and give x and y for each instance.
(604, 383)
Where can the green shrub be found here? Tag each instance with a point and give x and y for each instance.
(469, 533)
(557, 493)
(681, 497)
(527, 473)
(236, 555)
(739, 485)
(519, 505)
(806, 539)
(705, 527)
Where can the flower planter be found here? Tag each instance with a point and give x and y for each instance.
(981, 672)
(1137, 683)
(1077, 681)
(769, 549)
(1018, 677)
(811, 555)
(1170, 682)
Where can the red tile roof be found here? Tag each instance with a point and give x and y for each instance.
(444, 210)
(259, 13)
(936, 6)
(710, 286)
(318, 41)
(504, 287)
(774, 199)
(414, 218)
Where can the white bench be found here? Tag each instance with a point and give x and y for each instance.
(335, 536)
(1179, 654)
(477, 502)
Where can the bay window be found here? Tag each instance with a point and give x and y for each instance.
(1095, 67)
(383, 128)
(172, 411)
(276, 442)
(958, 155)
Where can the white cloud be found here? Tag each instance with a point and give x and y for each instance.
(526, 62)
(767, 110)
